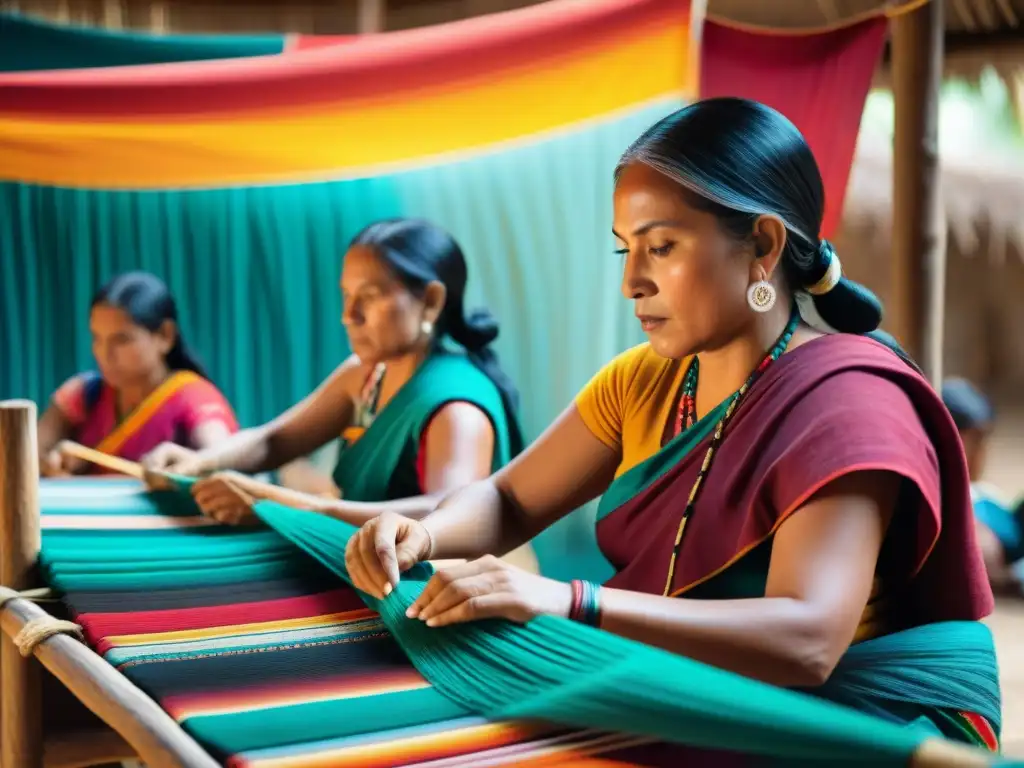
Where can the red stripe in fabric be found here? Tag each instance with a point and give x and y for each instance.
(377, 68)
(100, 625)
(984, 730)
(308, 42)
(820, 82)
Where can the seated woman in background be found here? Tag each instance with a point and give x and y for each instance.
(997, 525)
(417, 418)
(149, 389)
(781, 496)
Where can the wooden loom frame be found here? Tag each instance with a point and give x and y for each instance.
(140, 728)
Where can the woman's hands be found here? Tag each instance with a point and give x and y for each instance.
(382, 549)
(58, 464)
(227, 497)
(175, 459)
(487, 588)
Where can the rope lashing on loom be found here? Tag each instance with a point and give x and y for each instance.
(37, 631)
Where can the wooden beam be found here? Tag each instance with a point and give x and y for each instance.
(372, 16)
(21, 711)
(1015, 86)
(159, 741)
(919, 226)
(150, 731)
(83, 749)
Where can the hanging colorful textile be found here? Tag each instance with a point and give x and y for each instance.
(269, 661)
(345, 110)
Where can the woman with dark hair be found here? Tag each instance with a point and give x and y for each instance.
(149, 388)
(417, 415)
(783, 497)
(997, 525)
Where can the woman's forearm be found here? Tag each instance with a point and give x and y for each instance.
(474, 521)
(248, 451)
(359, 512)
(352, 512)
(776, 639)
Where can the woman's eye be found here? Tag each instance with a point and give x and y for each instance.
(622, 251)
(661, 250)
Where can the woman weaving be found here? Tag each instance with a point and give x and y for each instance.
(149, 388)
(417, 419)
(783, 497)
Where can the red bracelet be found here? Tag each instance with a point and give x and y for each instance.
(577, 599)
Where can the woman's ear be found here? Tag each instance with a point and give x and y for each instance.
(434, 298)
(166, 335)
(769, 244)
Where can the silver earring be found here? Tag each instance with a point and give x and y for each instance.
(761, 296)
(427, 327)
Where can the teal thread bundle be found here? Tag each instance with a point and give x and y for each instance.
(561, 671)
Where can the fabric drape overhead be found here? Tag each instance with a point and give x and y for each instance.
(27, 44)
(347, 110)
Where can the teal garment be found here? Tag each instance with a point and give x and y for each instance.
(927, 672)
(1005, 523)
(255, 272)
(381, 465)
(931, 671)
(28, 44)
(557, 670)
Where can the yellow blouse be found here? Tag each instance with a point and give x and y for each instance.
(628, 404)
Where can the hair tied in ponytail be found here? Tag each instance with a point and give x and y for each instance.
(475, 331)
(833, 270)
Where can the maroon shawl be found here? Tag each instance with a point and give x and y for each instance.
(832, 406)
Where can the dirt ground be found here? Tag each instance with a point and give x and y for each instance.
(1006, 460)
(1008, 626)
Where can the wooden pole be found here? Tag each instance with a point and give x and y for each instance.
(21, 712)
(159, 741)
(919, 222)
(372, 16)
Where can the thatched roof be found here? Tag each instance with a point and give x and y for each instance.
(979, 33)
(962, 16)
(993, 23)
(983, 199)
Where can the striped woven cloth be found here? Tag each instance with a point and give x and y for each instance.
(262, 656)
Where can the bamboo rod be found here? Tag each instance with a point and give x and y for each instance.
(158, 740)
(523, 556)
(919, 227)
(105, 460)
(21, 711)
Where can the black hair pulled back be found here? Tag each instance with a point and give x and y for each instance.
(146, 299)
(418, 253)
(740, 160)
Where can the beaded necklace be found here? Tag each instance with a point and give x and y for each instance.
(687, 417)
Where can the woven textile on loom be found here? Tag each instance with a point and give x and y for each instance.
(261, 652)
(262, 655)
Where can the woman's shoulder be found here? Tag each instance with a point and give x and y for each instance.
(636, 365)
(846, 387)
(77, 394)
(452, 375)
(202, 400)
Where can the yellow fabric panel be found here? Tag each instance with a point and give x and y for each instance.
(628, 403)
